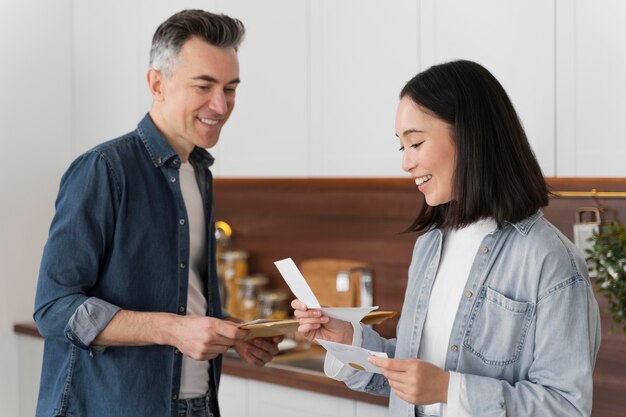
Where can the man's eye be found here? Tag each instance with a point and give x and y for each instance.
(203, 87)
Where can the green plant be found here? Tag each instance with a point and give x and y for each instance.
(607, 259)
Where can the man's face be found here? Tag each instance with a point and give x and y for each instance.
(192, 105)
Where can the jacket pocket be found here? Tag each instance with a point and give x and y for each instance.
(498, 327)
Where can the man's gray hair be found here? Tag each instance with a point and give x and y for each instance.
(216, 29)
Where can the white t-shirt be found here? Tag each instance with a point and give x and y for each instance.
(195, 374)
(458, 253)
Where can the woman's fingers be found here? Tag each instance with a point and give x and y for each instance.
(298, 305)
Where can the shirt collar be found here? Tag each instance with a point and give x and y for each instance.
(523, 226)
(161, 151)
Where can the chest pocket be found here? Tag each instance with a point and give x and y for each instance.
(498, 328)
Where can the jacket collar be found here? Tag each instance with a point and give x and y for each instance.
(523, 226)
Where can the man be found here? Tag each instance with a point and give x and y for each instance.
(127, 297)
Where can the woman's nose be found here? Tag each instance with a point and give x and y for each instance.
(408, 162)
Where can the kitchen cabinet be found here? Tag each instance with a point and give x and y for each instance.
(233, 396)
(361, 54)
(246, 397)
(591, 88)
(515, 42)
(267, 134)
(319, 90)
(320, 78)
(30, 354)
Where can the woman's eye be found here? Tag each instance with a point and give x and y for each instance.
(401, 149)
(416, 145)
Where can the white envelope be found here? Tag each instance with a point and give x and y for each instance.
(298, 285)
(353, 356)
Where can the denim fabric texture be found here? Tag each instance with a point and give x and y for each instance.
(527, 328)
(200, 407)
(119, 239)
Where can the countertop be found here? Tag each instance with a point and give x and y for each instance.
(283, 370)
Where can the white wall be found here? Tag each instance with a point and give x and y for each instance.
(36, 141)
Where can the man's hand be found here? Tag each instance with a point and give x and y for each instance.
(414, 380)
(203, 338)
(258, 352)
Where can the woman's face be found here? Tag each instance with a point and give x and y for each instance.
(428, 151)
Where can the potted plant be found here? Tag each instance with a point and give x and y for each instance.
(607, 260)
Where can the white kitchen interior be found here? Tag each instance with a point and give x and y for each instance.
(320, 80)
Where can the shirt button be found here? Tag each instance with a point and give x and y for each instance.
(174, 397)
(181, 221)
(468, 294)
(177, 352)
(454, 348)
(183, 265)
(173, 179)
(181, 309)
(484, 249)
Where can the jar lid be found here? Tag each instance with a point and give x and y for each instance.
(256, 280)
(274, 296)
(234, 255)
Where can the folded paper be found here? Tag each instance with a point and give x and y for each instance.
(352, 356)
(269, 327)
(298, 285)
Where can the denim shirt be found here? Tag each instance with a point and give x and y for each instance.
(119, 240)
(526, 331)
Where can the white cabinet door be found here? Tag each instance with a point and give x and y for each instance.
(515, 42)
(269, 400)
(591, 89)
(370, 410)
(267, 134)
(362, 54)
(30, 356)
(233, 396)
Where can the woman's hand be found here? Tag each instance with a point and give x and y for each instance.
(414, 380)
(314, 325)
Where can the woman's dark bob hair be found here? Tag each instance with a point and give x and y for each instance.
(496, 173)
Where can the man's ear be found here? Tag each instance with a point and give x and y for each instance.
(155, 84)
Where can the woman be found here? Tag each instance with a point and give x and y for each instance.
(499, 318)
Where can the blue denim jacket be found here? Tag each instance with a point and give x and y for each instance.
(119, 239)
(526, 332)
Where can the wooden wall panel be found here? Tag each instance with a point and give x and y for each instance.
(362, 219)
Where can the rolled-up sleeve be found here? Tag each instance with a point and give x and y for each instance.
(89, 319)
(80, 235)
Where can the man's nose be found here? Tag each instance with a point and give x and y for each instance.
(218, 102)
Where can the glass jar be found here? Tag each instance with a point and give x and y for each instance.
(249, 289)
(274, 304)
(232, 267)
